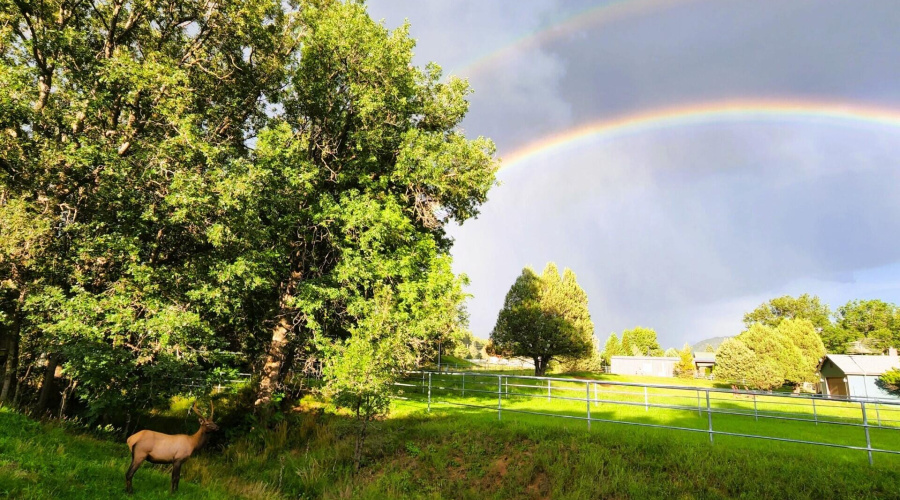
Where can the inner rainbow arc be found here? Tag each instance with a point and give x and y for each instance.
(836, 112)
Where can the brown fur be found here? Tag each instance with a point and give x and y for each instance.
(158, 448)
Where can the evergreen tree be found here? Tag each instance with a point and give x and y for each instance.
(544, 317)
(612, 348)
(640, 341)
(802, 333)
(685, 366)
(737, 363)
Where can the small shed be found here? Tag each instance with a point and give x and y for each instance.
(704, 362)
(854, 375)
(643, 365)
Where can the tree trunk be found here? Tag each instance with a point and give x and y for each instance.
(540, 366)
(48, 384)
(11, 367)
(271, 373)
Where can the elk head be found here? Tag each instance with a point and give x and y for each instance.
(206, 423)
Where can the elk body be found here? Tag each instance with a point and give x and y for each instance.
(159, 448)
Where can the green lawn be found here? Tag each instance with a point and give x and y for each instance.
(732, 413)
(45, 461)
(462, 452)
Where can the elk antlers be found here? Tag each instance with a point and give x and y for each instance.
(212, 410)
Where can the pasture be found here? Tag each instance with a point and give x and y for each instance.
(737, 419)
(460, 450)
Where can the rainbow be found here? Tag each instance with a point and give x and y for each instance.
(609, 12)
(739, 111)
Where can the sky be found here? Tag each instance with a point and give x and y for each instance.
(688, 159)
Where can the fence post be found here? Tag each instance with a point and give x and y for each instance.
(464, 384)
(499, 395)
(548, 389)
(646, 400)
(699, 411)
(756, 411)
(709, 416)
(587, 400)
(866, 425)
(815, 413)
(429, 393)
(877, 415)
(423, 381)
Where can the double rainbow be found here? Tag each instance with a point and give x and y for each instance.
(615, 10)
(828, 113)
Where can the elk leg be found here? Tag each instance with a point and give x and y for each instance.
(176, 474)
(135, 463)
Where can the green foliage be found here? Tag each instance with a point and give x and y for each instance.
(685, 366)
(591, 363)
(764, 357)
(874, 324)
(544, 317)
(177, 179)
(640, 341)
(890, 381)
(736, 362)
(802, 334)
(612, 348)
(773, 312)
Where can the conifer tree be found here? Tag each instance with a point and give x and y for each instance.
(544, 317)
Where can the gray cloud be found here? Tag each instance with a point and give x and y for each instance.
(682, 229)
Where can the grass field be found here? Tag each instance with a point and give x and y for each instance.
(461, 452)
(775, 416)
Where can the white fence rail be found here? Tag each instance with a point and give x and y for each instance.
(566, 393)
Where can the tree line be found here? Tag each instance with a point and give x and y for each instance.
(267, 179)
(784, 340)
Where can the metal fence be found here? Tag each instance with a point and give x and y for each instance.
(574, 399)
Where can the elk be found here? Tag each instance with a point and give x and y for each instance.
(175, 449)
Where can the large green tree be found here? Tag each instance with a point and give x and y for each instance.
(544, 317)
(776, 310)
(640, 341)
(873, 324)
(788, 353)
(736, 362)
(253, 176)
(113, 116)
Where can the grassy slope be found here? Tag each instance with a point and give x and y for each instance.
(46, 461)
(449, 453)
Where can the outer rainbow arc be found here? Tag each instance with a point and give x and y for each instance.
(712, 112)
(603, 14)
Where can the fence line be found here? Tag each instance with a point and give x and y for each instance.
(479, 384)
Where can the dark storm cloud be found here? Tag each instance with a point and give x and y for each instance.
(682, 230)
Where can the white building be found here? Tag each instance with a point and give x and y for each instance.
(643, 365)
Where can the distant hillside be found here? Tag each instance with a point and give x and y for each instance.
(714, 342)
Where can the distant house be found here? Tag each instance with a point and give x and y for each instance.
(704, 363)
(854, 375)
(643, 365)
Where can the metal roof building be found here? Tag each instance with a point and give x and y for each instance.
(854, 375)
(704, 362)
